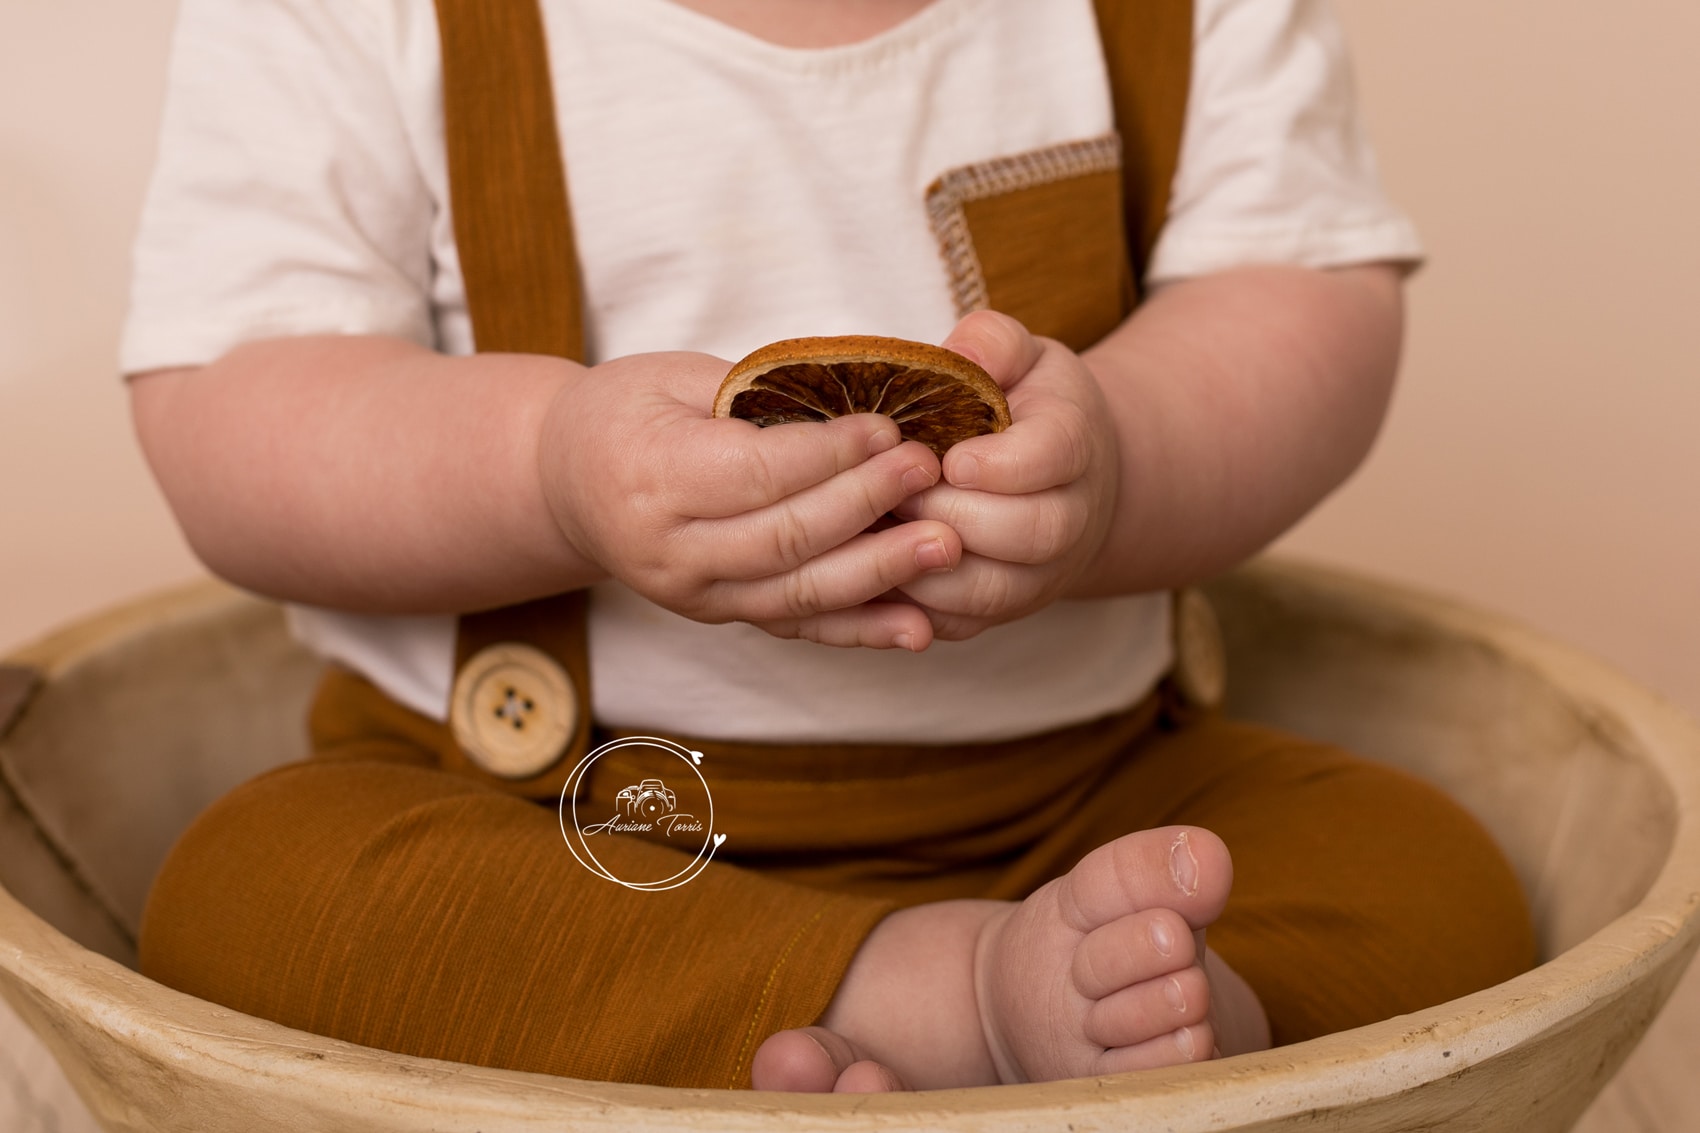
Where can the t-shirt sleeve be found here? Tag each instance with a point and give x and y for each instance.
(1275, 166)
(286, 198)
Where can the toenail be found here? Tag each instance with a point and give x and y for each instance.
(825, 1053)
(1162, 938)
(1173, 993)
(1183, 1040)
(1183, 865)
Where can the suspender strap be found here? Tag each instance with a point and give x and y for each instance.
(512, 225)
(514, 234)
(1148, 48)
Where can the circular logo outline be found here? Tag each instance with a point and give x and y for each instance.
(569, 790)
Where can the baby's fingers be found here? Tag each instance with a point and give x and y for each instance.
(980, 590)
(858, 571)
(872, 625)
(804, 526)
(1037, 528)
(1051, 443)
(730, 467)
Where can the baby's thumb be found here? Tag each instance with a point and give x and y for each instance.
(998, 343)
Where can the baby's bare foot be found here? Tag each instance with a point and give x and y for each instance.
(1101, 970)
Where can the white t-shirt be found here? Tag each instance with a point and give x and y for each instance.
(726, 192)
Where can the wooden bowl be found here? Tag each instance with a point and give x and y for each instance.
(115, 732)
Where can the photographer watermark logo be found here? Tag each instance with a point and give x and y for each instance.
(680, 814)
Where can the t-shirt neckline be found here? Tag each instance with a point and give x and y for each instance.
(670, 17)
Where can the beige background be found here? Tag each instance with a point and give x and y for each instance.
(1541, 458)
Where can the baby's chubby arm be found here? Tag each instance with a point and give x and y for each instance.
(370, 474)
(1210, 421)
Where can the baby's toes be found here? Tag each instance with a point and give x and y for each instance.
(1184, 868)
(1149, 1010)
(805, 1060)
(868, 1077)
(1138, 947)
(1185, 1044)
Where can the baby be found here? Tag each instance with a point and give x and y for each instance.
(740, 171)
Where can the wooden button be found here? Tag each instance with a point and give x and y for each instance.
(1201, 659)
(513, 710)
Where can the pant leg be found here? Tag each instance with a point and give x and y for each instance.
(373, 898)
(1360, 892)
(415, 911)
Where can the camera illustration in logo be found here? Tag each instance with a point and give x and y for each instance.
(646, 809)
(648, 800)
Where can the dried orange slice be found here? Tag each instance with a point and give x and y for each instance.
(935, 395)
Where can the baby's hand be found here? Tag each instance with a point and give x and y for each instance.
(1032, 504)
(719, 520)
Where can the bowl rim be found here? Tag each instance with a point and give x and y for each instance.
(49, 974)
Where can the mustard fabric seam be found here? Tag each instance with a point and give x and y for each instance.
(738, 1068)
(955, 188)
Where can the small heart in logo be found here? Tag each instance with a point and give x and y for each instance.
(696, 757)
(719, 838)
